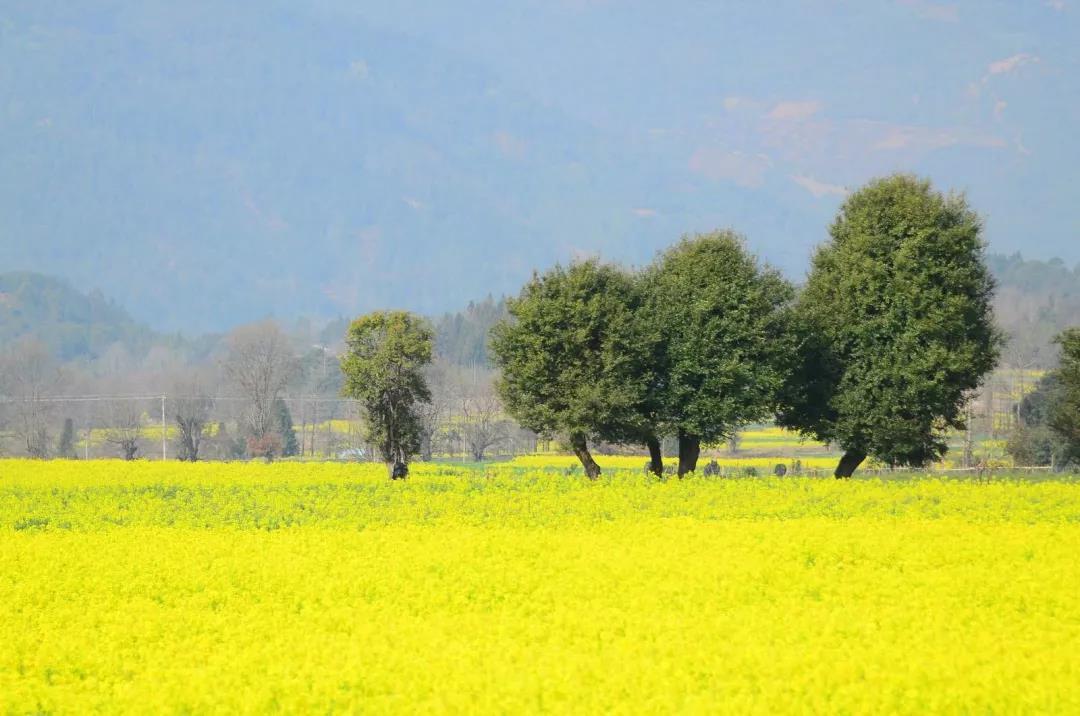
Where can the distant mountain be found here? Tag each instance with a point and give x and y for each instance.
(1035, 301)
(74, 325)
(210, 164)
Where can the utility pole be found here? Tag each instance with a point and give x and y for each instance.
(969, 439)
(163, 455)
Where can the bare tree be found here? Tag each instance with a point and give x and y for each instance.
(483, 424)
(29, 376)
(1021, 355)
(433, 413)
(125, 424)
(260, 363)
(191, 408)
(733, 441)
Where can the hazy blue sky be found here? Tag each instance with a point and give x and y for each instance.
(208, 163)
(816, 95)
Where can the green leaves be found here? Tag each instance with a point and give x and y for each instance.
(693, 345)
(894, 325)
(1064, 412)
(383, 366)
(565, 355)
(722, 334)
(892, 329)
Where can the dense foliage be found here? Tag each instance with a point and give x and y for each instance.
(718, 324)
(566, 355)
(318, 588)
(383, 368)
(1064, 413)
(1034, 442)
(461, 338)
(896, 326)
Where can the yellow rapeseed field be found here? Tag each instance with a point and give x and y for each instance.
(311, 588)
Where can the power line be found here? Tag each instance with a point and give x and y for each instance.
(159, 396)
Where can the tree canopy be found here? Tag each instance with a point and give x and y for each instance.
(718, 321)
(1064, 413)
(566, 353)
(383, 368)
(894, 326)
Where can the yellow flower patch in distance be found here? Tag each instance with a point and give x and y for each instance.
(636, 462)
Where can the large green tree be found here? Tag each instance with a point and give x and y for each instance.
(1064, 413)
(895, 326)
(644, 364)
(717, 341)
(383, 367)
(566, 356)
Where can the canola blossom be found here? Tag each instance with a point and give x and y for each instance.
(250, 588)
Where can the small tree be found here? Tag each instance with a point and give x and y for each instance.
(1036, 445)
(734, 439)
(384, 371)
(227, 446)
(125, 427)
(191, 413)
(1035, 407)
(433, 413)
(1033, 442)
(1064, 413)
(29, 376)
(483, 424)
(894, 326)
(722, 328)
(260, 362)
(191, 417)
(65, 447)
(566, 356)
(266, 448)
(285, 430)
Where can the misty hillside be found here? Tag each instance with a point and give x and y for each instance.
(78, 326)
(72, 324)
(349, 168)
(1035, 301)
(209, 164)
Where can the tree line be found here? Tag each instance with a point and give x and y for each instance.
(1049, 430)
(265, 393)
(877, 353)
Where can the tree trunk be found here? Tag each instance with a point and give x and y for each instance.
(656, 457)
(398, 462)
(849, 463)
(689, 450)
(581, 449)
